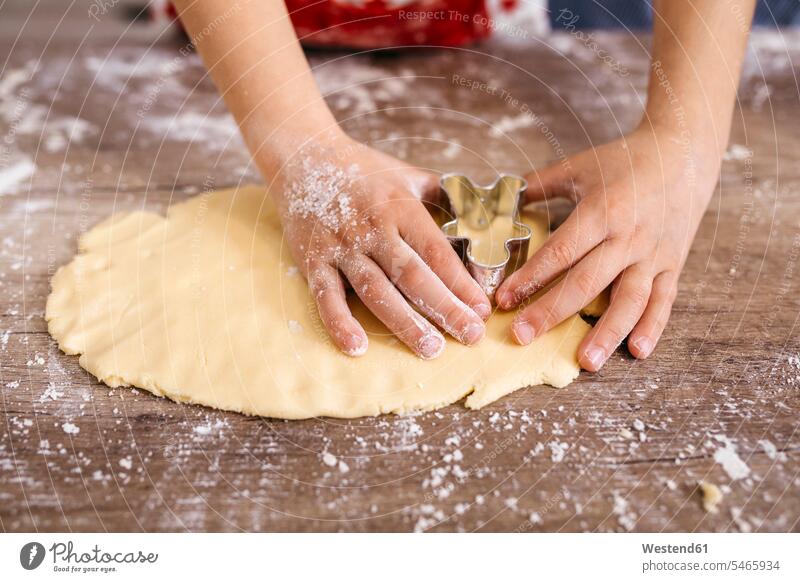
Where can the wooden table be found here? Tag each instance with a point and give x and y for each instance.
(623, 449)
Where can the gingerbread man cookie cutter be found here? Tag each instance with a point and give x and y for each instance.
(484, 226)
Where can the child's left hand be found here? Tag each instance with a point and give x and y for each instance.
(639, 203)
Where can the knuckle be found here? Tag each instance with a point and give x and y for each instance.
(400, 266)
(438, 253)
(587, 282)
(405, 272)
(319, 283)
(637, 232)
(639, 295)
(614, 333)
(456, 312)
(560, 253)
(413, 328)
(361, 276)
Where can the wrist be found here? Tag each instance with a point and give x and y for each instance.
(704, 135)
(273, 146)
(694, 142)
(302, 159)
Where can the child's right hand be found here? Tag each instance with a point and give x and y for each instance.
(351, 213)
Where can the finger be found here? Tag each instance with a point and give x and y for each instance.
(553, 181)
(328, 292)
(646, 333)
(580, 285)
(572, 241)
(424, 289)
(629, 299)
(388, 305)
(430, 243)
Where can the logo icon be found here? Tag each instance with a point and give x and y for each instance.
(31, 555)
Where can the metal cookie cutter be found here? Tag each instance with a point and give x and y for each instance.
(484, 226)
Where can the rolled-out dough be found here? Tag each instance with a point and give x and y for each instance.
(205, 306)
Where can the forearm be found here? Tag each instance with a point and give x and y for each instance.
(256, 62)
(698, 47)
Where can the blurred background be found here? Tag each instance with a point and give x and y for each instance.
(538, 15)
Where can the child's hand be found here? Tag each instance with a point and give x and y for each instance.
(639, 203)
(353, 214)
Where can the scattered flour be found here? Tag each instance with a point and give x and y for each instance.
(452, 149)
(737, 153)
(322, 191)
(329, 459)
(771, 450)
(208, 129)
(50, 393)
(70, 428)
(625, 517)
(558, 450)
(727, 456)
(27, 117)
(15, 174)
(209, 427)
(509, 124)
(355, 84)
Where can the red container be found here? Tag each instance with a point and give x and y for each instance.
(365, 24)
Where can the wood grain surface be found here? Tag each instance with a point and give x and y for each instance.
(117, 118)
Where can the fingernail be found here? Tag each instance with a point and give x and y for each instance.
(504, 299)
(644, 346)
(596, 356)
(483, 310)
(523, 333)
(473, 333)
(357, 345)
(431, 346)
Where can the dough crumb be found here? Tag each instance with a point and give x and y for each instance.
(712, 496)
(329, 459)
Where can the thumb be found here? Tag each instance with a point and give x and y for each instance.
(553, 181)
